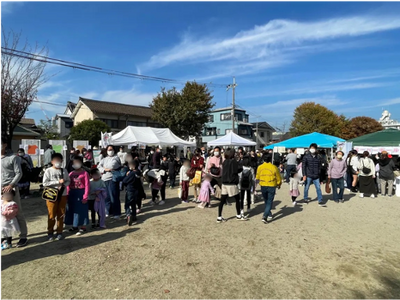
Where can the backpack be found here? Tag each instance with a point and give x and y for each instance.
(245, 182)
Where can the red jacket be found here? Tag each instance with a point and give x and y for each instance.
(196, 162)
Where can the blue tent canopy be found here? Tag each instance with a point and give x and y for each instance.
(304, 141)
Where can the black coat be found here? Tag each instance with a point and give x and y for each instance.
(230, 172)
(312, 166)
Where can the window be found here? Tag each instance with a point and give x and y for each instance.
(111, 123)
(225, 116)
(211, 131)
(133, 123)
(210, 118)
(262, 134)
(69, 124)
(246, 120)
(239, 117)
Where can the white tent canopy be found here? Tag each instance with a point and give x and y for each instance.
(148, 136)
(231, 139)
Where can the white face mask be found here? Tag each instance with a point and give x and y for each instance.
(339, 156)
(20, 154)
(77, 166)
(57, 165)
(110, 153)
(216, 154)
(312, 150)
(151, 152)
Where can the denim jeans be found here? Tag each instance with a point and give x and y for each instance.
(113, 204)
(268, 193)
(289, 170)
(130, 203)
(337, 183)
(172, 180)
(317, 187)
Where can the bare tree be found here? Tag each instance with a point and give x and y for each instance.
(20, 80)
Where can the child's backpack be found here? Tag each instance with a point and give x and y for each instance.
(245, 182)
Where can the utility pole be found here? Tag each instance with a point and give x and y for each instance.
(233, 86)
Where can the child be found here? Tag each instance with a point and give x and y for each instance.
(96, 199)
(247, 180)
(204, 196)
(184, 181)
(58, 178)
(294, 186)
(133, 183)
(9, 223)
(78, 193)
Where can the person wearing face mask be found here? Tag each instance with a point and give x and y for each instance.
(311, 173)
(197, 163)
(336, 172)
(58, 178)
(26, 167)
(77, 213)
(214, 168)
(106, 167)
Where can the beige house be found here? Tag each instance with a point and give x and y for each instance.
(262, 134)
(115, 115)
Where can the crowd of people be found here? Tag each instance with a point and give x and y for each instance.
(82, 187)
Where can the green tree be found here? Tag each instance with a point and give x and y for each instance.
(311, 117)
(359, 126)
(49, 130)
(184, 112)
(89, 130)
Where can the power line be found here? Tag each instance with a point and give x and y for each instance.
(79, 66)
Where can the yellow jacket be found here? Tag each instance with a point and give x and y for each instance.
(268, 175)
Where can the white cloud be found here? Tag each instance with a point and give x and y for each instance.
(131, 97)
(270, 45)
(7, 7)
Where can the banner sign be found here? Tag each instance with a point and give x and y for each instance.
(345, 147)
(375, 150)
(79, 145)
(60, 146)
(32, 148)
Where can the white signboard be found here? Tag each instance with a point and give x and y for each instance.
(60, 146)
(375, 150)
(300, 151)
(79, 145)
(32, 148)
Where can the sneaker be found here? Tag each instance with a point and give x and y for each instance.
(383, 195)
(162, 202)
(185, 201)
(243, 218)
(80, 232)
(270, 218)
(390, 196)
(372, 196)
(59, 237)
(131, 220)
(93, 226)
(152, 203)
(238, 217)
(336, 201)
(264, 220)
(294, 203)
(5, 245)
(22, 243)
(138, 211)
(361, 195)
(321, 204)
(198, 201)
(220, 220)
(306, 201)
(200, 205)
(73, 229)
(193, 199)
(117, 217)
(50, 237)
(341, 200)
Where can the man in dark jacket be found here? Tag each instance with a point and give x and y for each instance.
(311, 173)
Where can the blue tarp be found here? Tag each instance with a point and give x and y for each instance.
(304, 141)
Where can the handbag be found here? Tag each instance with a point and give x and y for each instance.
(197, 178)
(216, 170)
(53, 194)
(191, 173)
(366, 170)
(179, 193)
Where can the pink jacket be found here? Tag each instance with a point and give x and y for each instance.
(217, 161)
(9, 210)
(79, 180)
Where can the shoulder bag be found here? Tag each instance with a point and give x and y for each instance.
(366, 170)
(53, 194)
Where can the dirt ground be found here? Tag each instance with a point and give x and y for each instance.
(349, 250)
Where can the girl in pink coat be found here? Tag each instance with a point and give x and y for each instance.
(205, 190)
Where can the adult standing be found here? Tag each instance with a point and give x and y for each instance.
(11, 173)
(47, 156)
(197, 163)
(269, 179)
(157, 158)
(291, 160)
(107, 166)
(253, 161)
(230, 182)
(214, 168)
(386, 173)
(189, 154)
(352, 162)
(336, 171)
(311, 172)
(25, 181)
(122, 155)
(366, 170)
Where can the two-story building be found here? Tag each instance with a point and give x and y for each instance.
(262, 134)
(220, 123)
(116, 115)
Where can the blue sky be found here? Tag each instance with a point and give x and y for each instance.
(345, 56)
